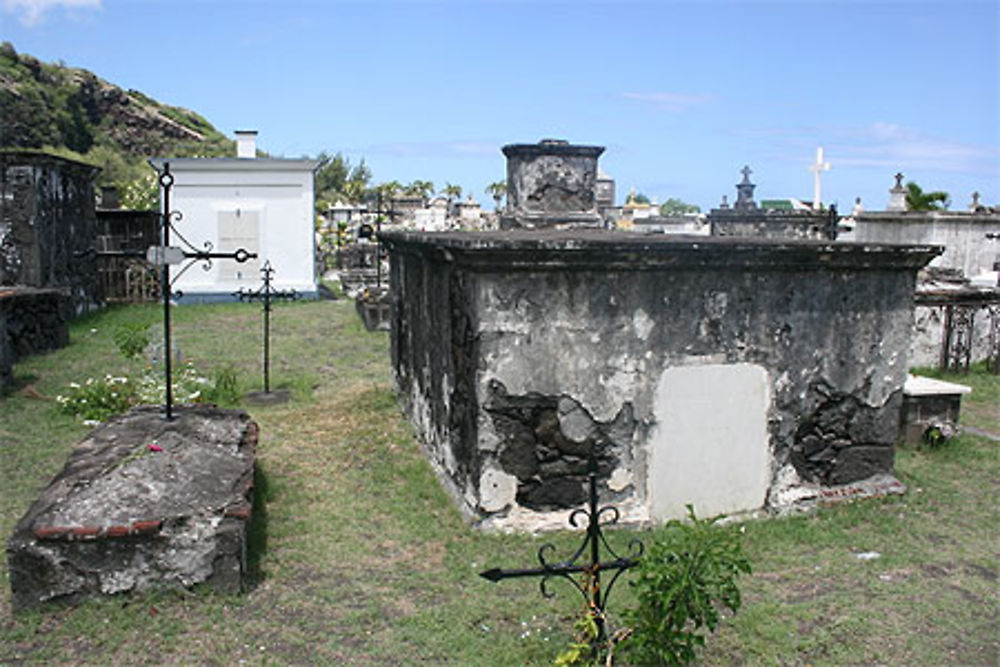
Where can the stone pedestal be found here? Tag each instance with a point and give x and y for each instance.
(141, 503)
(551, 184)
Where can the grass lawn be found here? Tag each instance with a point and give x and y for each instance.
(366, 561)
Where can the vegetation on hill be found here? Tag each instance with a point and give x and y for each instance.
(73, 113)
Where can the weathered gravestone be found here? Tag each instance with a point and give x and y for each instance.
(142, 503)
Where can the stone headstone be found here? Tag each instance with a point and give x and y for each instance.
(897, 195)
(744, 192)
(141, 503)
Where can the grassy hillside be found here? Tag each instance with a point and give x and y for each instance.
(74, 113)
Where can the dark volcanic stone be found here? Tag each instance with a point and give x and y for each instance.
(860, 462)
(553, 493)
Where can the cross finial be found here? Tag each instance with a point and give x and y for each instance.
(899, 179)
(817, 168)
(746, 173)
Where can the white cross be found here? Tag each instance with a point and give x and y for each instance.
(817, 169)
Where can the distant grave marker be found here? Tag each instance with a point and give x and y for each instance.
(265, 294)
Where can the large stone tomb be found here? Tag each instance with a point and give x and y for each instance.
(734, 374)
(141, 503)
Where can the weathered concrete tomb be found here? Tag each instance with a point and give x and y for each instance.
(734, 374)
(141, 503)
(48, 226)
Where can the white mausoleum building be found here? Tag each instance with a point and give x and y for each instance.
(264, 205)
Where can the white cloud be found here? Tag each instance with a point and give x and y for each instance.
(879, 144)
(884, 144)
(33, 12)
(670, 101)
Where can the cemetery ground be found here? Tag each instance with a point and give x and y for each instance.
(359, 557)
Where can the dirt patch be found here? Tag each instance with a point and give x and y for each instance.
(980, 571)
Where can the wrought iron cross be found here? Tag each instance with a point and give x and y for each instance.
(392, 213)
(591, 569)
(266, 294)
(165, 255)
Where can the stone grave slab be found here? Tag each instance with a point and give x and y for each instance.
(141, 503)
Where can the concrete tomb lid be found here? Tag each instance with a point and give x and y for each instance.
(917, 385)
(596, 248)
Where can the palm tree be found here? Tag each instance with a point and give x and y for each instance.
(497, 190)
(419, 188)
(918, 200)
(452, 192)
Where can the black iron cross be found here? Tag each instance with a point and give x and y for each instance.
(378, 236)
(591, 569)
(165, 255)
(266, 294)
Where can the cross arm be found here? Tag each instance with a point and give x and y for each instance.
(497, 574)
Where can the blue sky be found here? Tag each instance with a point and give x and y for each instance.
(682, 94)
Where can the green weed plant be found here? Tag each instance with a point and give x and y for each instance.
(131, 338)
(688, 575)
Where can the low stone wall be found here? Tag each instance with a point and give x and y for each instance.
(36, 320)
(141, 503)
(930, 330)
(731, 373)
(963, 235)
(775, 224)
(6, 354)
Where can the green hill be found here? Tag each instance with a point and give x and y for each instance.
(74, 113)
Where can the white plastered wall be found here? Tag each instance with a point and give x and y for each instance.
(710, 445)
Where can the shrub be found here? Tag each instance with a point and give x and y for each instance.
(187, 387)
(131, 338)
(96, 400)
(225, 388)
(689, 572)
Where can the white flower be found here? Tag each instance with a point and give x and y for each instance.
(74, 385)
(91, 422)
